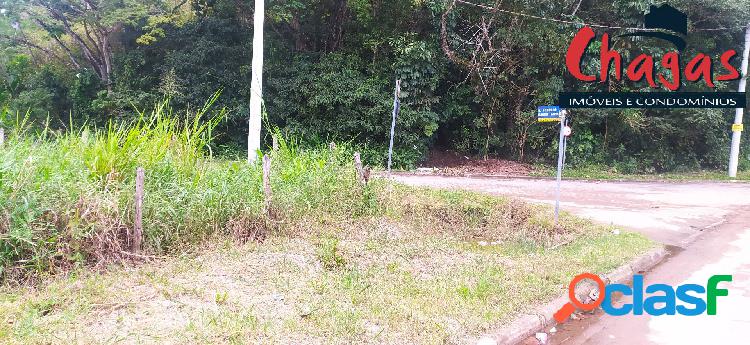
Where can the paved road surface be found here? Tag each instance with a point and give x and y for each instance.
(725, 250)
(709, 221)
(671, 213)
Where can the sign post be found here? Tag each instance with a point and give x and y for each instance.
(548, 114)
(555, 114)
(560, 155)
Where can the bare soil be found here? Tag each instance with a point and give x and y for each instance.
(454, 164)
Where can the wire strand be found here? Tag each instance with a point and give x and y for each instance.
(570, 22)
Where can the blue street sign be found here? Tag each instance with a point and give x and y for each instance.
(550, 113)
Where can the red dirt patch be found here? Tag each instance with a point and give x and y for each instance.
(454, 164)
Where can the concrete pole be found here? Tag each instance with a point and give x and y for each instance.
(734, 155)
(256, 84)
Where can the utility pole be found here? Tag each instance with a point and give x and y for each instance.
(256, 84)
(734, 155)
(396, 109)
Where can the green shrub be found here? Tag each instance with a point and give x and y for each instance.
(329, 255)
(67, 199)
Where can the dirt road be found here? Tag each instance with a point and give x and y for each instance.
(709, 221)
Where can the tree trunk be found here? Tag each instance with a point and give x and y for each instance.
(107, 60)
(510, 121)
(299, 41)
(488, 127)
(336, 35)
(96, 49)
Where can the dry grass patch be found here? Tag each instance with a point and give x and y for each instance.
(375, 283)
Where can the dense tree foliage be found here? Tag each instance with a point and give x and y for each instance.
(473, 72)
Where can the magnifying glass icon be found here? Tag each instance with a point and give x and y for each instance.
(570, 307)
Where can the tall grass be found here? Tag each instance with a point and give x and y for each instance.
(67, 199)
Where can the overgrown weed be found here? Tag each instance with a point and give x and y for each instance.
(66, 200)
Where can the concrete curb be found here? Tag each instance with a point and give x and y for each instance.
(548, 178)
(694, 237)
(528, 324)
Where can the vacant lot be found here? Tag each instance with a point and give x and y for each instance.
(377, 282)
(333, 261)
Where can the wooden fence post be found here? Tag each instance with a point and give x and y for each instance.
(267, 185)
(275, 143)
(363, 173)
(137, 240)
(2, 136)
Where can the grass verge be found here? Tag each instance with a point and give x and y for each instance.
(336, 263)
(375, 282)
(605, 173)
(437, 267)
